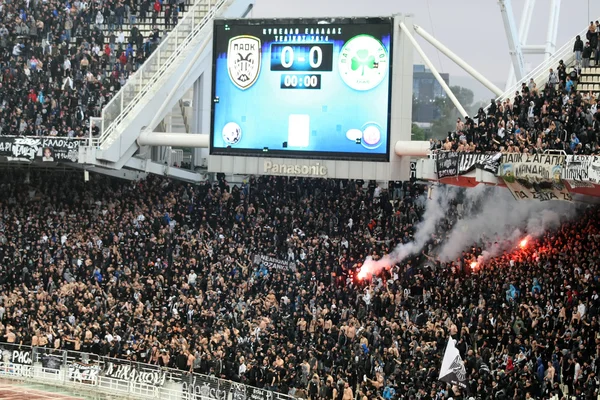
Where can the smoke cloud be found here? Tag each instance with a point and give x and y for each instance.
(489, 217)
(502, 221)
(435, 209)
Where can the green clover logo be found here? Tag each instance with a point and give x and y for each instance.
(362, 60)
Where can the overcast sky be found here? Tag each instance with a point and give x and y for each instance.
(471, 28)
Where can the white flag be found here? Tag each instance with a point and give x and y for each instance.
(453, 369)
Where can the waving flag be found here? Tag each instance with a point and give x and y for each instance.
(453, 369)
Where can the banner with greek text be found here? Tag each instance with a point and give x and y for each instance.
(594, 169)
(274, 263)
(83, 373)
(447, 164)
(577, 169)
(523, 189)
(45, 149)
(130, 372)
(489, 162)
(533, 167)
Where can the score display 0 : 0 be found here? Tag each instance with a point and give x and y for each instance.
(300, 81)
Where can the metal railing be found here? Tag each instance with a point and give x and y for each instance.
(142, 82)
(541, 71)
(118, 377)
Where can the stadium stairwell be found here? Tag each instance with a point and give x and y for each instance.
(136, 104)
(540, 73)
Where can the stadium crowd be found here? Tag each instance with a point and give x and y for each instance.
(557, 116)
(163, 272)
(62, 61)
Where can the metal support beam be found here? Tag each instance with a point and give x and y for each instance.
(434, 71)
(152, 167)
(553, 21)
(199, 140)
(459, 61)
(534, 49)
(514, 44)
(523, 35)
(157, 117)
(414, 148)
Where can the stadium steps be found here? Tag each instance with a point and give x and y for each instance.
(541, 72)
(141, 99)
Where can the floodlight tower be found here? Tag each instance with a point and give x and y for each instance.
(517, 40)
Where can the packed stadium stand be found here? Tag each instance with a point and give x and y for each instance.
(561, 115)
(61, 62)
(165, 273)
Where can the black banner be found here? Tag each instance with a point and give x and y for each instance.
(13, 354)
(83, 373)
(274, 263)
(253, 393)
(134, 373)
(489, 162)
(50, 361)
(45, 149)
(447, 164)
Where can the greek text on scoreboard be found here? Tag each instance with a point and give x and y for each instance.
(302, 88)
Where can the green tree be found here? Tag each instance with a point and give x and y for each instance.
(448, 112)
(418, 133)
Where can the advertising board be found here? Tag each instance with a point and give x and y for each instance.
(302, 88)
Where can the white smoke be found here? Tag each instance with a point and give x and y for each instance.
(502, 221)
(490, 218)
(435, 209)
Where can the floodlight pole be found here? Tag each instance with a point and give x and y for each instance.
(434, 71)
(459, 61)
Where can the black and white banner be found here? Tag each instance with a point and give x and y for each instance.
(577, 168)
(133, 373)
(453, 369)
(51, 361)
(489, 162)
(15, 355)
(274, 263)
(83, 373)
(45, 149)
(447, 164)
(594, 169)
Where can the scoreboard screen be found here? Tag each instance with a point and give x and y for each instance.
(302, 88)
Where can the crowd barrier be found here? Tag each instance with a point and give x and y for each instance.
(119, 377)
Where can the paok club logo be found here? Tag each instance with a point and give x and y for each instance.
(458, 368)
(243, 60)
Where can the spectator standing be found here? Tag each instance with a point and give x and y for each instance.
(578, 50)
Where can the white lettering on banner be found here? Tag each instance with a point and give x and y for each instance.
(129, 373)
(274, 263)
(26, 147)
(259, 394)
(204, 391)
(83, 373)
(317, 170)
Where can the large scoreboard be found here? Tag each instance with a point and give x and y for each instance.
(308, 88)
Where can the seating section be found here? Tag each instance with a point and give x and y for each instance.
(61, 63)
